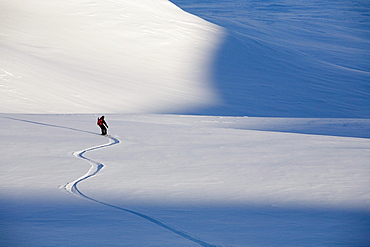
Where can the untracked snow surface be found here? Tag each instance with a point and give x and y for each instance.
(287, 58)
(292, 170)
(103, 56)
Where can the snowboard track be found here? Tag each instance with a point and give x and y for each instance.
(96, 167)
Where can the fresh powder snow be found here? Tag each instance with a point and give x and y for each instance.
(104, 56)
(232, 124)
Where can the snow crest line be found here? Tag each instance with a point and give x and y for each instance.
(96, 167)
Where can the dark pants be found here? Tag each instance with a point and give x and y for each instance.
(103, 129)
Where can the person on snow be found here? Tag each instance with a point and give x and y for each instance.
(103, 125)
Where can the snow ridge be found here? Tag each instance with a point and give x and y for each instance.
(96, 167)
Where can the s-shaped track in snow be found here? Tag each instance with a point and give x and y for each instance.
(95, 169)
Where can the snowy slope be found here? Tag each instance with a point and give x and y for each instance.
(285, 58)
(103, 56)
(280, 59)
(184, 181)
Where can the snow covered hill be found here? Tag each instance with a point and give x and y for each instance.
(290, 58)
(103, 56)
(284, 59)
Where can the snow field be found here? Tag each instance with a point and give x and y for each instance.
(200, 175)
(184, 180)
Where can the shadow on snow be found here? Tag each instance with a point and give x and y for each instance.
(276, 63)
(43, 222)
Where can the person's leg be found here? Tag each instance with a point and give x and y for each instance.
(103, 130)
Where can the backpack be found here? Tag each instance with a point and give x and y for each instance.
(100, 121)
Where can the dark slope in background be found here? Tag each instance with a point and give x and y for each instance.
(290, 58)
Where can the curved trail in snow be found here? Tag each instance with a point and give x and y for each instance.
(95, 169)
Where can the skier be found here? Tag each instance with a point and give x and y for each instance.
(103, 125)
